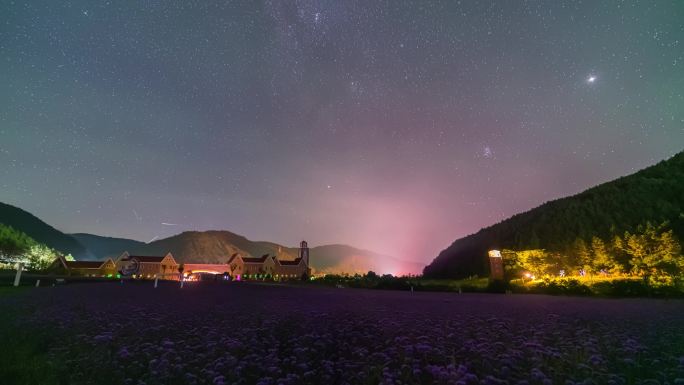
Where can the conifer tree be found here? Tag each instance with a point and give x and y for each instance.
(603, 259)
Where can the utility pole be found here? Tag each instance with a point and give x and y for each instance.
(17, 277)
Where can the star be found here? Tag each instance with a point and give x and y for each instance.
(487, 152)
(591, 79)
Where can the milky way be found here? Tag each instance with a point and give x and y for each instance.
(395, 126)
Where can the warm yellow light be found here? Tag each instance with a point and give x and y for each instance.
(494, 254)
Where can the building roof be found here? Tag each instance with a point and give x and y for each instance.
(145, 258)
(216, 267)
(84, 264)
(261, 259)
(290, 262)
(232, 257)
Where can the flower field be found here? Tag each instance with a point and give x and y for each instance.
(266, 334)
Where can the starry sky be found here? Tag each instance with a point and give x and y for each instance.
(396, 126)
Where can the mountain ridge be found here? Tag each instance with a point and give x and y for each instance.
(216, 246)
(655, 193)
(212, 246)
(39, 230)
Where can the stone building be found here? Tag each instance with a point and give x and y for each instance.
(240, 267)
(83, 268)
(147, 266)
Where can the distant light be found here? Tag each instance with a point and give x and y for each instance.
(591, 79)
(494, 254)
(487, 152)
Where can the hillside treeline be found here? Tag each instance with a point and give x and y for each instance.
(16, 246)
(655, 195)
(651, 252)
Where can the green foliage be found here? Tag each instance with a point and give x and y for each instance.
(655, 253)
(40, 231)
(651, 252)
(602, 257)
(582, 255)
(23, 357)
(15, 246)
(563, 286)
(13, 243)
(390, 282)
(654, 194)
(537, 262)
(40, 256)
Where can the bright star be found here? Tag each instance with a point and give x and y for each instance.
(591, 79)
(487, 152)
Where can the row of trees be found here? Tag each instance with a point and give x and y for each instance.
(16, 246)
(651, 251)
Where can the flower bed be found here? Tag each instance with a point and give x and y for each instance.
(268, 334)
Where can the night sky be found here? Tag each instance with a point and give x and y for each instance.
(394, 126)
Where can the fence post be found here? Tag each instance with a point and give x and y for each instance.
(156, 279)
(37, 282)
(17, 277)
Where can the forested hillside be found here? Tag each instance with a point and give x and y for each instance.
(43, 233)
(655, 195)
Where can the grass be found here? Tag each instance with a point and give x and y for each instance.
(11, 290)
(23, 356)
(454, 284)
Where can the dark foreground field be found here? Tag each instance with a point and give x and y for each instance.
(247, 333)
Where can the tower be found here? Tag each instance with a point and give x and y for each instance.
(304, 252)
(496, 267)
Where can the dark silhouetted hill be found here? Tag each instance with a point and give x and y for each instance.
(203, 247)
(217, 247)
(40, 231)
(210, 247)
(336, 259)
(104, 247)
(654, 194)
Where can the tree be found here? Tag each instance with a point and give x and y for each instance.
(666, 258)
(620, 254)
(13, 243)
(636, 246)
(582, 255)
(536, 262)
(40, 256)
(654, 252)
(602, 258)
(534, 240)
(16, 246)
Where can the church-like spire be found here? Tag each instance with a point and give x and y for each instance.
(304, 252)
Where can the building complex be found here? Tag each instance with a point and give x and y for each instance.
(237, 267)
